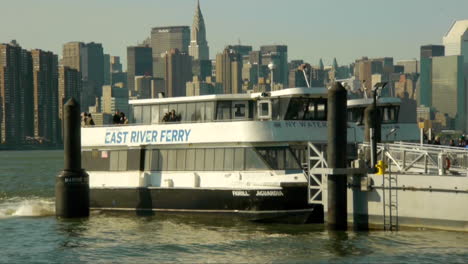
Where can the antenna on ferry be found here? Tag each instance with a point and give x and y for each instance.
(303, 68)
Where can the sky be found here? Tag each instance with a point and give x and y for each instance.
(312, 29)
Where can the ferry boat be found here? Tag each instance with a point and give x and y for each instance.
(239, 154)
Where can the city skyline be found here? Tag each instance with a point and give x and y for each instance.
(308, 35)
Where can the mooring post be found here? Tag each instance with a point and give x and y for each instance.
(72, 184)
(337, 139)
(372, 132)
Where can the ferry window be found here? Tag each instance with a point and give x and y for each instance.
(155, 114)
(114, 161)
(190, 115)
(240, 110)
(389, 114)
(200, 112)
(137, 114)
(199, 159)
(238, 159)
(275, 109)
(96, 160)
(279, 158)
(209, 159)
(356, 115)
(219, 159)
(171, 160)
(190, 160)
(264, 110)
(122, 160)
(133, 160)
(181, 110)
(321, 112)
(181, 159)
(283, 107)
(148, 158)
(162, 161)
(146, 114)
(253, 160)
(223, 110)
(228, 159)
(209, 111)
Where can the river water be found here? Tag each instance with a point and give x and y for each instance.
(30, 233)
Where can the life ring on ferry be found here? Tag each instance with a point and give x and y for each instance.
(447, 164)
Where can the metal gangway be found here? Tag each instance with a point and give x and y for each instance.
(421, 158)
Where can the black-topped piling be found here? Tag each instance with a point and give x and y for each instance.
(72, 184)
(336, 157)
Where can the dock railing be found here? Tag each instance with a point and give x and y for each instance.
(422, 158)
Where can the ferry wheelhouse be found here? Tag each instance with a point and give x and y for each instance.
(392, 129)
(239, 154)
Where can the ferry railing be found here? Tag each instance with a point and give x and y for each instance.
(422, 158)
(174, 122)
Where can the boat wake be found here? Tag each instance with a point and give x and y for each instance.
(26, 206)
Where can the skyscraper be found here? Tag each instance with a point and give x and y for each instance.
(424, 95)
(69, 85)
(139, 63)
(16, 90)
(456, 39)
(178, 67)
(163, 39)
(107, 69)
(428, 51)
(89, 60)
(229, 71)
(45, 76)
(278, 55)
(198, 48)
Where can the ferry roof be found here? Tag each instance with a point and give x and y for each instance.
(368, 101)
(216, 97)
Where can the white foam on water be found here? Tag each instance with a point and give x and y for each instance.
(26, 206)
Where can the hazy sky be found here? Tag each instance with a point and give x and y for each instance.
(345, 29)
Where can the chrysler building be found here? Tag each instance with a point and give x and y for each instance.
(198, 47)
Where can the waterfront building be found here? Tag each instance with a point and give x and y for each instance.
(178, 71)
(115, 65)
(139, 62)
(107, 69)
(89, 60)
(200, 87)
(45, 93)
(456, 40)
(229, 71)
(278, 55)
(69, 85)
(114, 98)
(409, 66)
(163, 39)
(429, 51)
(143, 86)
(198, 48)
(16, 94)
(425, 91)
(202, 68)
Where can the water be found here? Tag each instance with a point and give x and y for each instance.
(29, 232)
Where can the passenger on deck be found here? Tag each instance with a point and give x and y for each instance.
(84, 116)
(452, 143)
(171, 116)
(89, 120)
(436, 141)
(123, 119)
(116, 118)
